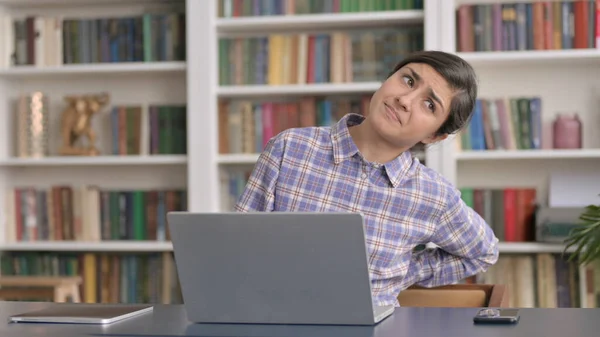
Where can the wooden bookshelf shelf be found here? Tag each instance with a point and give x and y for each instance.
(162, 246)
(96, 161)
(81, 246)
(526, 247)
(528, 154)
(320, 21)
(530, 57)
(238, 159)
(96, 68)
(530, 247)
(28, 3)
(304, 89)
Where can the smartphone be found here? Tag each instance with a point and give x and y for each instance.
(497, 316)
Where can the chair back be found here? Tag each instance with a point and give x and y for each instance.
(40, 288)
(456, 295)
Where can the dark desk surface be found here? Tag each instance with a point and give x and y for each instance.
(427, 322)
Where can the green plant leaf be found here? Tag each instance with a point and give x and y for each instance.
(585, 238)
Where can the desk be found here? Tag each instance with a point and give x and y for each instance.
(170, 320)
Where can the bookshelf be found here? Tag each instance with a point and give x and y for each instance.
(528, 66)
(462, 167)
(216, 164)
(154, 81)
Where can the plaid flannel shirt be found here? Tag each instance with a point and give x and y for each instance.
(405, 204)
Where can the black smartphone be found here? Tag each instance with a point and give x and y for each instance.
(497, 316)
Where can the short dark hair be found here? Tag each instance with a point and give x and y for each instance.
(461, 77)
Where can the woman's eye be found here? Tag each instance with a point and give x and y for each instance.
(408, 80)
(430, 105)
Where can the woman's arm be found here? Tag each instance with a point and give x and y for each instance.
(466, 246)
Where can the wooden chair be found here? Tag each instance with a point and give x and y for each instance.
(457, 295)
(51, 288)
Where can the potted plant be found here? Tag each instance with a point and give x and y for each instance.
(586, 237)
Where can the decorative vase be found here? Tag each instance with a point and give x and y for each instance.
(567, 132)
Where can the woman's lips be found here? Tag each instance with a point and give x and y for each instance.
(392, 114)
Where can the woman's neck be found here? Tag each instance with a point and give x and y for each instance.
(372, 147)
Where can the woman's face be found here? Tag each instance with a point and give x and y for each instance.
(411, 105)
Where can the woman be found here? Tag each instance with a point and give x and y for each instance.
(364, 165)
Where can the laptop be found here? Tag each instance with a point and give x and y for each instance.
(274, 268)
(82, 313)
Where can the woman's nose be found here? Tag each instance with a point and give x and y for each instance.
(403, 102)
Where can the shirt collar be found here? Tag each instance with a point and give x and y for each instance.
(398, 168)
(343, 145)
(344, 148)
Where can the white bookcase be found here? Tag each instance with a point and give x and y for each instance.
(527, 73)
(521, 74)
(565, 79)
(207, 92)
(135, 83)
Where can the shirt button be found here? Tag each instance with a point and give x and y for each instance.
(364, 175)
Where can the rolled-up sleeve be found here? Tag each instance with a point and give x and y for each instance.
(259, 193)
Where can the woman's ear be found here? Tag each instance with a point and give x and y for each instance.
(434, 138)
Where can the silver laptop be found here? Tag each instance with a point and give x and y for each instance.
(82, 313)
(274, 268)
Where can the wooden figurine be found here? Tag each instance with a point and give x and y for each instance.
(77, 123)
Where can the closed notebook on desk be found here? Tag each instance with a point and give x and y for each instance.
(82, 313)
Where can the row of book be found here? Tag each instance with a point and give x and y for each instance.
(155, 129)
(504, 123)
(87, 213)
(243, 8)
(592, 280)
(246, 126)
(541, 281)
(53, 41)
(107, 278)
(534, 25)
(232, 184)
(510, 212)
(335, 57)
